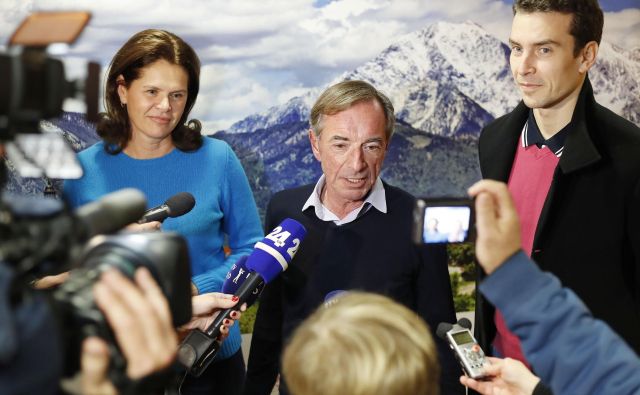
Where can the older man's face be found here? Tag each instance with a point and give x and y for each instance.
(351, 149)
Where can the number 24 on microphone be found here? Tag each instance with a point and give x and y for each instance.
(280, 238)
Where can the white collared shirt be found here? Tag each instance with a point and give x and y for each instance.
(376, 199)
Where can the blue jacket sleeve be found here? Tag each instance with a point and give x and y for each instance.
(571, 351)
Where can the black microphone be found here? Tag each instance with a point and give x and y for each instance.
(445, 327)
(465, 323)
(442, 330)
(177, 205)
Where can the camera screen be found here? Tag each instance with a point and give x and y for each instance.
(446, 224)
(463, 337)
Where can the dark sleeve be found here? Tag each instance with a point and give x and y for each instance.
(484, 325)
(266, 341)
(435, 305)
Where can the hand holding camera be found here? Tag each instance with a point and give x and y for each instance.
(141, 322)
(498, 224)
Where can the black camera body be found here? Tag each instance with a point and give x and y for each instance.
(166, 257)
(32, 83)
(443, 220)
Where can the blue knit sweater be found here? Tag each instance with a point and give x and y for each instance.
(224, 208)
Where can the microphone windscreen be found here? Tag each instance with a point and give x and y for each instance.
(236, 276)
(442, 330)
(180, 204)
(465, 323)
(112, 212)
(273, 254)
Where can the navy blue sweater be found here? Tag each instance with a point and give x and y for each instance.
(373, 253)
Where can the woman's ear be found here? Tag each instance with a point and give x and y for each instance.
(122, 90)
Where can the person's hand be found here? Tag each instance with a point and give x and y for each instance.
(497, 224)
(50, 281)
(141, 322)
(152, 226)
(509, 377)
(206, 307)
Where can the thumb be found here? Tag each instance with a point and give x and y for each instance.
(94, 362)
(485, 213)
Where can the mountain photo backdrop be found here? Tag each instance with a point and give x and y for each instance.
(444, 65)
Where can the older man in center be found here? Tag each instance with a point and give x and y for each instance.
(359, 235)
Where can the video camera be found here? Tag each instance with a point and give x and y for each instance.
(40, 236)
(34, 88)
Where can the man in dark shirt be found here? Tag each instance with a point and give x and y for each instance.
(572, 167)
(359, 235)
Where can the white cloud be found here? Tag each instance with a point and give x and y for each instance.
(226, 96)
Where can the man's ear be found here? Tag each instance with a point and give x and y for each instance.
(588, 56)
(314, 140)
(122, 89)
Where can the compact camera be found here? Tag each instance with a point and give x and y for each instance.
(466, 349)
(443, 220)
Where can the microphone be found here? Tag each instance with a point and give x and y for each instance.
(177, 205)
(236, 277)
(112, 212)
(465, 323)
(270, 257)
(442, 330)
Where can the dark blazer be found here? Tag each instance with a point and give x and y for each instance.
(374, 253)
(588, 233)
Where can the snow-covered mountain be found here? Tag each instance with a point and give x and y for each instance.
(294, 110)
(616, 80)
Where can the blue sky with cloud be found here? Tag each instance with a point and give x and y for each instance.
(259, 53)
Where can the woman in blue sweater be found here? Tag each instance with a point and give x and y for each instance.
(147, 143)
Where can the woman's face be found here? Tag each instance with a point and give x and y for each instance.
(155, 101)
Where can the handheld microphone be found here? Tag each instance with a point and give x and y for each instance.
(270, 257)
(236, 277)
(465, 347)
(177, 205)
(445, 327)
